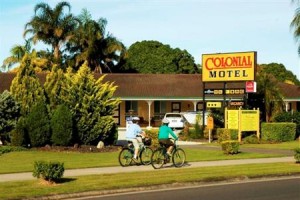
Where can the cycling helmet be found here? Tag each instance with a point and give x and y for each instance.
(165, 121)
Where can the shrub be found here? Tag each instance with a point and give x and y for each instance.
(19, 136)
(278, 132)
(9, 114)
(38, 125)
(62, 126)
(195, 133)
(251, 139)
(7, 149)
(184, 134)
(198, 131)
(297, 155)
(153, 134)
(224, 134)
(290, 117)
(218, 119)
(112, 136)
(230, 146)
(48, 171)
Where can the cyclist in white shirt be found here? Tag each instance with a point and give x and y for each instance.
(134, 133)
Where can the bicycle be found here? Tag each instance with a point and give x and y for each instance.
(127, 153)
(160, 156)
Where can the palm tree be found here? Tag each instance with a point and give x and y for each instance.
(41, 60)
(272, 97)
(90, 44)
(51, 26)
(17, 53)
(295, 24)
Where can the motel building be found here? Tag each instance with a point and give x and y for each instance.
(150, 96)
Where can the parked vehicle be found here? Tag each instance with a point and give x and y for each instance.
(177, 120)
(191, 117)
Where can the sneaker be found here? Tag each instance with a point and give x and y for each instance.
(135, 160)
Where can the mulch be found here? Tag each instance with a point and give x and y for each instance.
(78, 148)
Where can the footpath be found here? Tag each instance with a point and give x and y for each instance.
(287, 157)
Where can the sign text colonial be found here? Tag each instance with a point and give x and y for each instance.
(228, 67)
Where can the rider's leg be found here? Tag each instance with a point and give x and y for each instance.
(136, 148)
(171, 145)
(169, 152)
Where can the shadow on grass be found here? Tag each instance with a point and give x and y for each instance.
(65, 180)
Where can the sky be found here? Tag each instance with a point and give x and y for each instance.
(198, 26)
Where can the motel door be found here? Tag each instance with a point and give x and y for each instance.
(176, 107)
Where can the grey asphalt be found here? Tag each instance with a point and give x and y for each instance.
(287, 157)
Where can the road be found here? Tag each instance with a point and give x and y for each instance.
(285, 188)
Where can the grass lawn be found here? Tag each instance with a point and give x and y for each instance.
(23, 161)
(284, 145)
(27, 189)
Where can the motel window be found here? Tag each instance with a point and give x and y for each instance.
(131, 106)
(116, 115)
(160, 107)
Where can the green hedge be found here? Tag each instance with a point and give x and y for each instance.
(297, 155)
(290, 117)
(278, 132)
(225, 134)
(7, 149)
(230, 146)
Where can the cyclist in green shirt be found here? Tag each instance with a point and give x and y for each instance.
(163, 136)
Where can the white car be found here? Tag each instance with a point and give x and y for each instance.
(192, 115)
(176, 120)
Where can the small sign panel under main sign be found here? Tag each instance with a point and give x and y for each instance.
(214, 104)
(227, 91)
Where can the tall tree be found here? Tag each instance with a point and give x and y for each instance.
(272, 97)
(26, 88)
(295, 24)
(38, 125)
(280, 73)
(155, 57)
(52, 26)
(17, 52)
(55, 86)
(92, 105)
(42, 59)
(91, 44)
(9, 113)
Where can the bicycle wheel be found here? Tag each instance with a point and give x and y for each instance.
(125, 157)
(178, 157)
(145, 155)
(158, 158)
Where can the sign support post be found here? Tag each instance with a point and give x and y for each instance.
(210, 126)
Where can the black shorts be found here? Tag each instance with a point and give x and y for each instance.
(166, 142)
